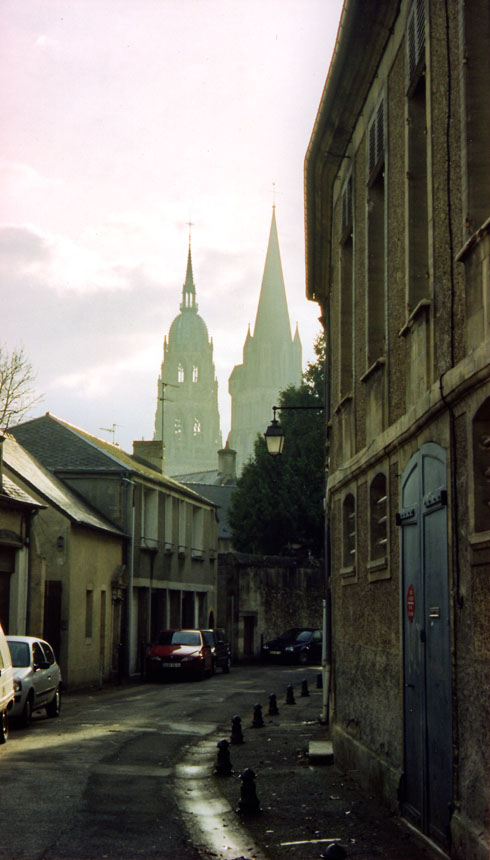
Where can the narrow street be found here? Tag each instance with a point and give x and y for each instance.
(100, 781)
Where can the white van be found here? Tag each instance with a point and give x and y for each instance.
(6, 686)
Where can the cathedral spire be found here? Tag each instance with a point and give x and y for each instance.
(189, 287)
(272, 320)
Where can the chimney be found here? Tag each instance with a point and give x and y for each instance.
(227, 465)
(150, 454)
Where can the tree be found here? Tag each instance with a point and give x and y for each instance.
(17, 394)
(277, 506)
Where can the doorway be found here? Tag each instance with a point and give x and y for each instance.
(427, 785)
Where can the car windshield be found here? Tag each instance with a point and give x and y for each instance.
(179, 637)
(303, 636)
(20, 654)
(290, 635)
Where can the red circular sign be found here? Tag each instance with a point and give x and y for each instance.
(410, 602)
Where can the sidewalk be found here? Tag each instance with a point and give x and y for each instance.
(308, 805)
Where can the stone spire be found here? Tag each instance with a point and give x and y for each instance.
(189, 287)
(272, 320)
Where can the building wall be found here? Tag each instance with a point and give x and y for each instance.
(260, 597)
(406, 305)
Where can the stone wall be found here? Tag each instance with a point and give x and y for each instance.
(261, 596)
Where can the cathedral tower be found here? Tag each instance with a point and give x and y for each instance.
(271, 359)
(187, 401)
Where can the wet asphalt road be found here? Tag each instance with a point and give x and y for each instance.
(100, 781)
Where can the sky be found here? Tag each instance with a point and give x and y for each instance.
(123, 121)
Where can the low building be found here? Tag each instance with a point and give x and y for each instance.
(171, 553)
(75, 579)
(398, 248)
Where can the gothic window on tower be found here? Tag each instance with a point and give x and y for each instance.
(178, 428)
(180, 373)
(195, 374)
(197, 427)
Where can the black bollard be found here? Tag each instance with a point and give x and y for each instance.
(335, 852)
(290, 700)
(273, 709)
(249, 802)
(236, 730)
(223, 764)
(258, 721)
(319, 681)
(304, 688)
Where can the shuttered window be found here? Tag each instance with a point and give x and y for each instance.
(416, 42)
(376, 138)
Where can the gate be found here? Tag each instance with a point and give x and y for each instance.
(427, 786)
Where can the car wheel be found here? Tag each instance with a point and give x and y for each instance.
(303, 658)
(227, 666)
(26, 716)
(54, 706)
(4, 727)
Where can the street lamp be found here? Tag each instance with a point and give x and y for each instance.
(274, 435)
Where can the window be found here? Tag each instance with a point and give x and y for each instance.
(376, 236)
(481, 467)
(378, 519)
(346, 290)
(349, 532)
(89, 611)
(195, 374)
(178, 428)
(197, 427)
(37, 654)
(180, 373)
(417, 159)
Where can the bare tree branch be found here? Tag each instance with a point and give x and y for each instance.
(17, 393)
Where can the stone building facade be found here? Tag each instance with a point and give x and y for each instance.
(397, 220)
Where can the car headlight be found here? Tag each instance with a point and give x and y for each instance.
(17, 685)
(289, 648)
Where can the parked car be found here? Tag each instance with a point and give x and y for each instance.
(181, 653)
(37, 678)
(220, 648)
(297, 645)
(6, 687)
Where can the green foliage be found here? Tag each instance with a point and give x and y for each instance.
(277, 506)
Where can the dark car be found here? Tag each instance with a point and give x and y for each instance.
(220, 648)
(181, 654)
(297, 645)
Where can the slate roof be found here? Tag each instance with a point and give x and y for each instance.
(12, 491)
(63, 448)
(22, 465)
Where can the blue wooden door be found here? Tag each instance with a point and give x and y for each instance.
(427, 787)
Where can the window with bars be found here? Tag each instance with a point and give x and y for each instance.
(481, 467)
(349, 531)
(378, 518)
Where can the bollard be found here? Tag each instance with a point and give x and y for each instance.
(258, 721)
(335, 852)
(236, 730)
(304, 688)
(319, 681)
(273, 709)
(249, 802)
(223, 763)
(290, 700)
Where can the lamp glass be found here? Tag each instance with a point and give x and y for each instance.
(274, 438)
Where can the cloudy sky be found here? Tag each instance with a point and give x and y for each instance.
(122, 120)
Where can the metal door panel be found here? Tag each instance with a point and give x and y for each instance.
(427, 672)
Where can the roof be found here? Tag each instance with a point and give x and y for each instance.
(64, 449)
(22, 465)
(272, 319)
(14, 493)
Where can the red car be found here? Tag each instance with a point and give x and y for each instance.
(179, 653)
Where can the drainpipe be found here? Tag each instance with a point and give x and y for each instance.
(327, 604)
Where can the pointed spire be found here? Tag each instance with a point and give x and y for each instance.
(272, 320)
(189, 288)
